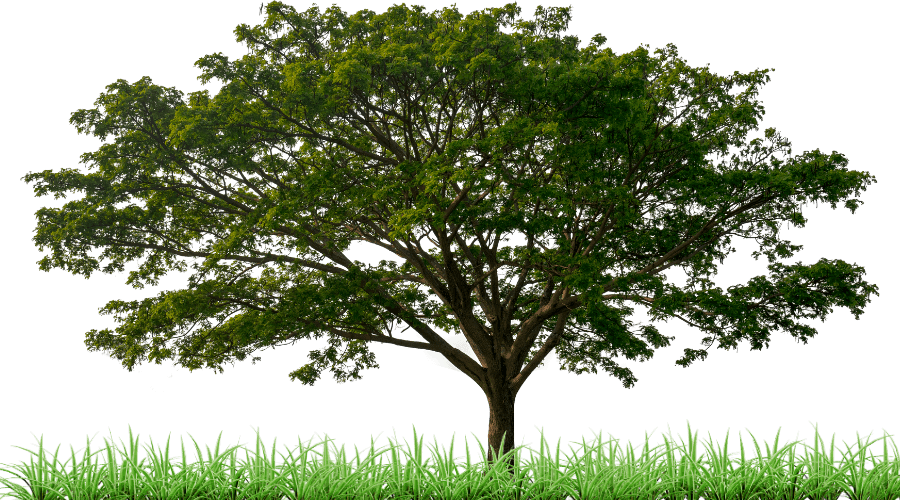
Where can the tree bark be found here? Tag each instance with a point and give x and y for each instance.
(501, 423)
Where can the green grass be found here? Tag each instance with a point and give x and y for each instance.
(776, 476)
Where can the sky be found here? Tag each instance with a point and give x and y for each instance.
(832, 71)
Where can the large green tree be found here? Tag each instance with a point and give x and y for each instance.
(406, 126)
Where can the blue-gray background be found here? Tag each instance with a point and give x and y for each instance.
(832, 89)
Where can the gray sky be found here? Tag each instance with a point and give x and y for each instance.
(833, 66)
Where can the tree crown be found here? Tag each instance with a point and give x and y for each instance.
(406, 126)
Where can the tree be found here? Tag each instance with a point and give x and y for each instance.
(397, 127)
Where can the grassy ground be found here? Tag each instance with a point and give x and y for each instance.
(780, 474)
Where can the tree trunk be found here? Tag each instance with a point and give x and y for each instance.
(501, 403)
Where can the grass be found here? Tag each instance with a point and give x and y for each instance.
(587, 478)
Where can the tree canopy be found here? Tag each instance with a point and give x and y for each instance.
(407, 127)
